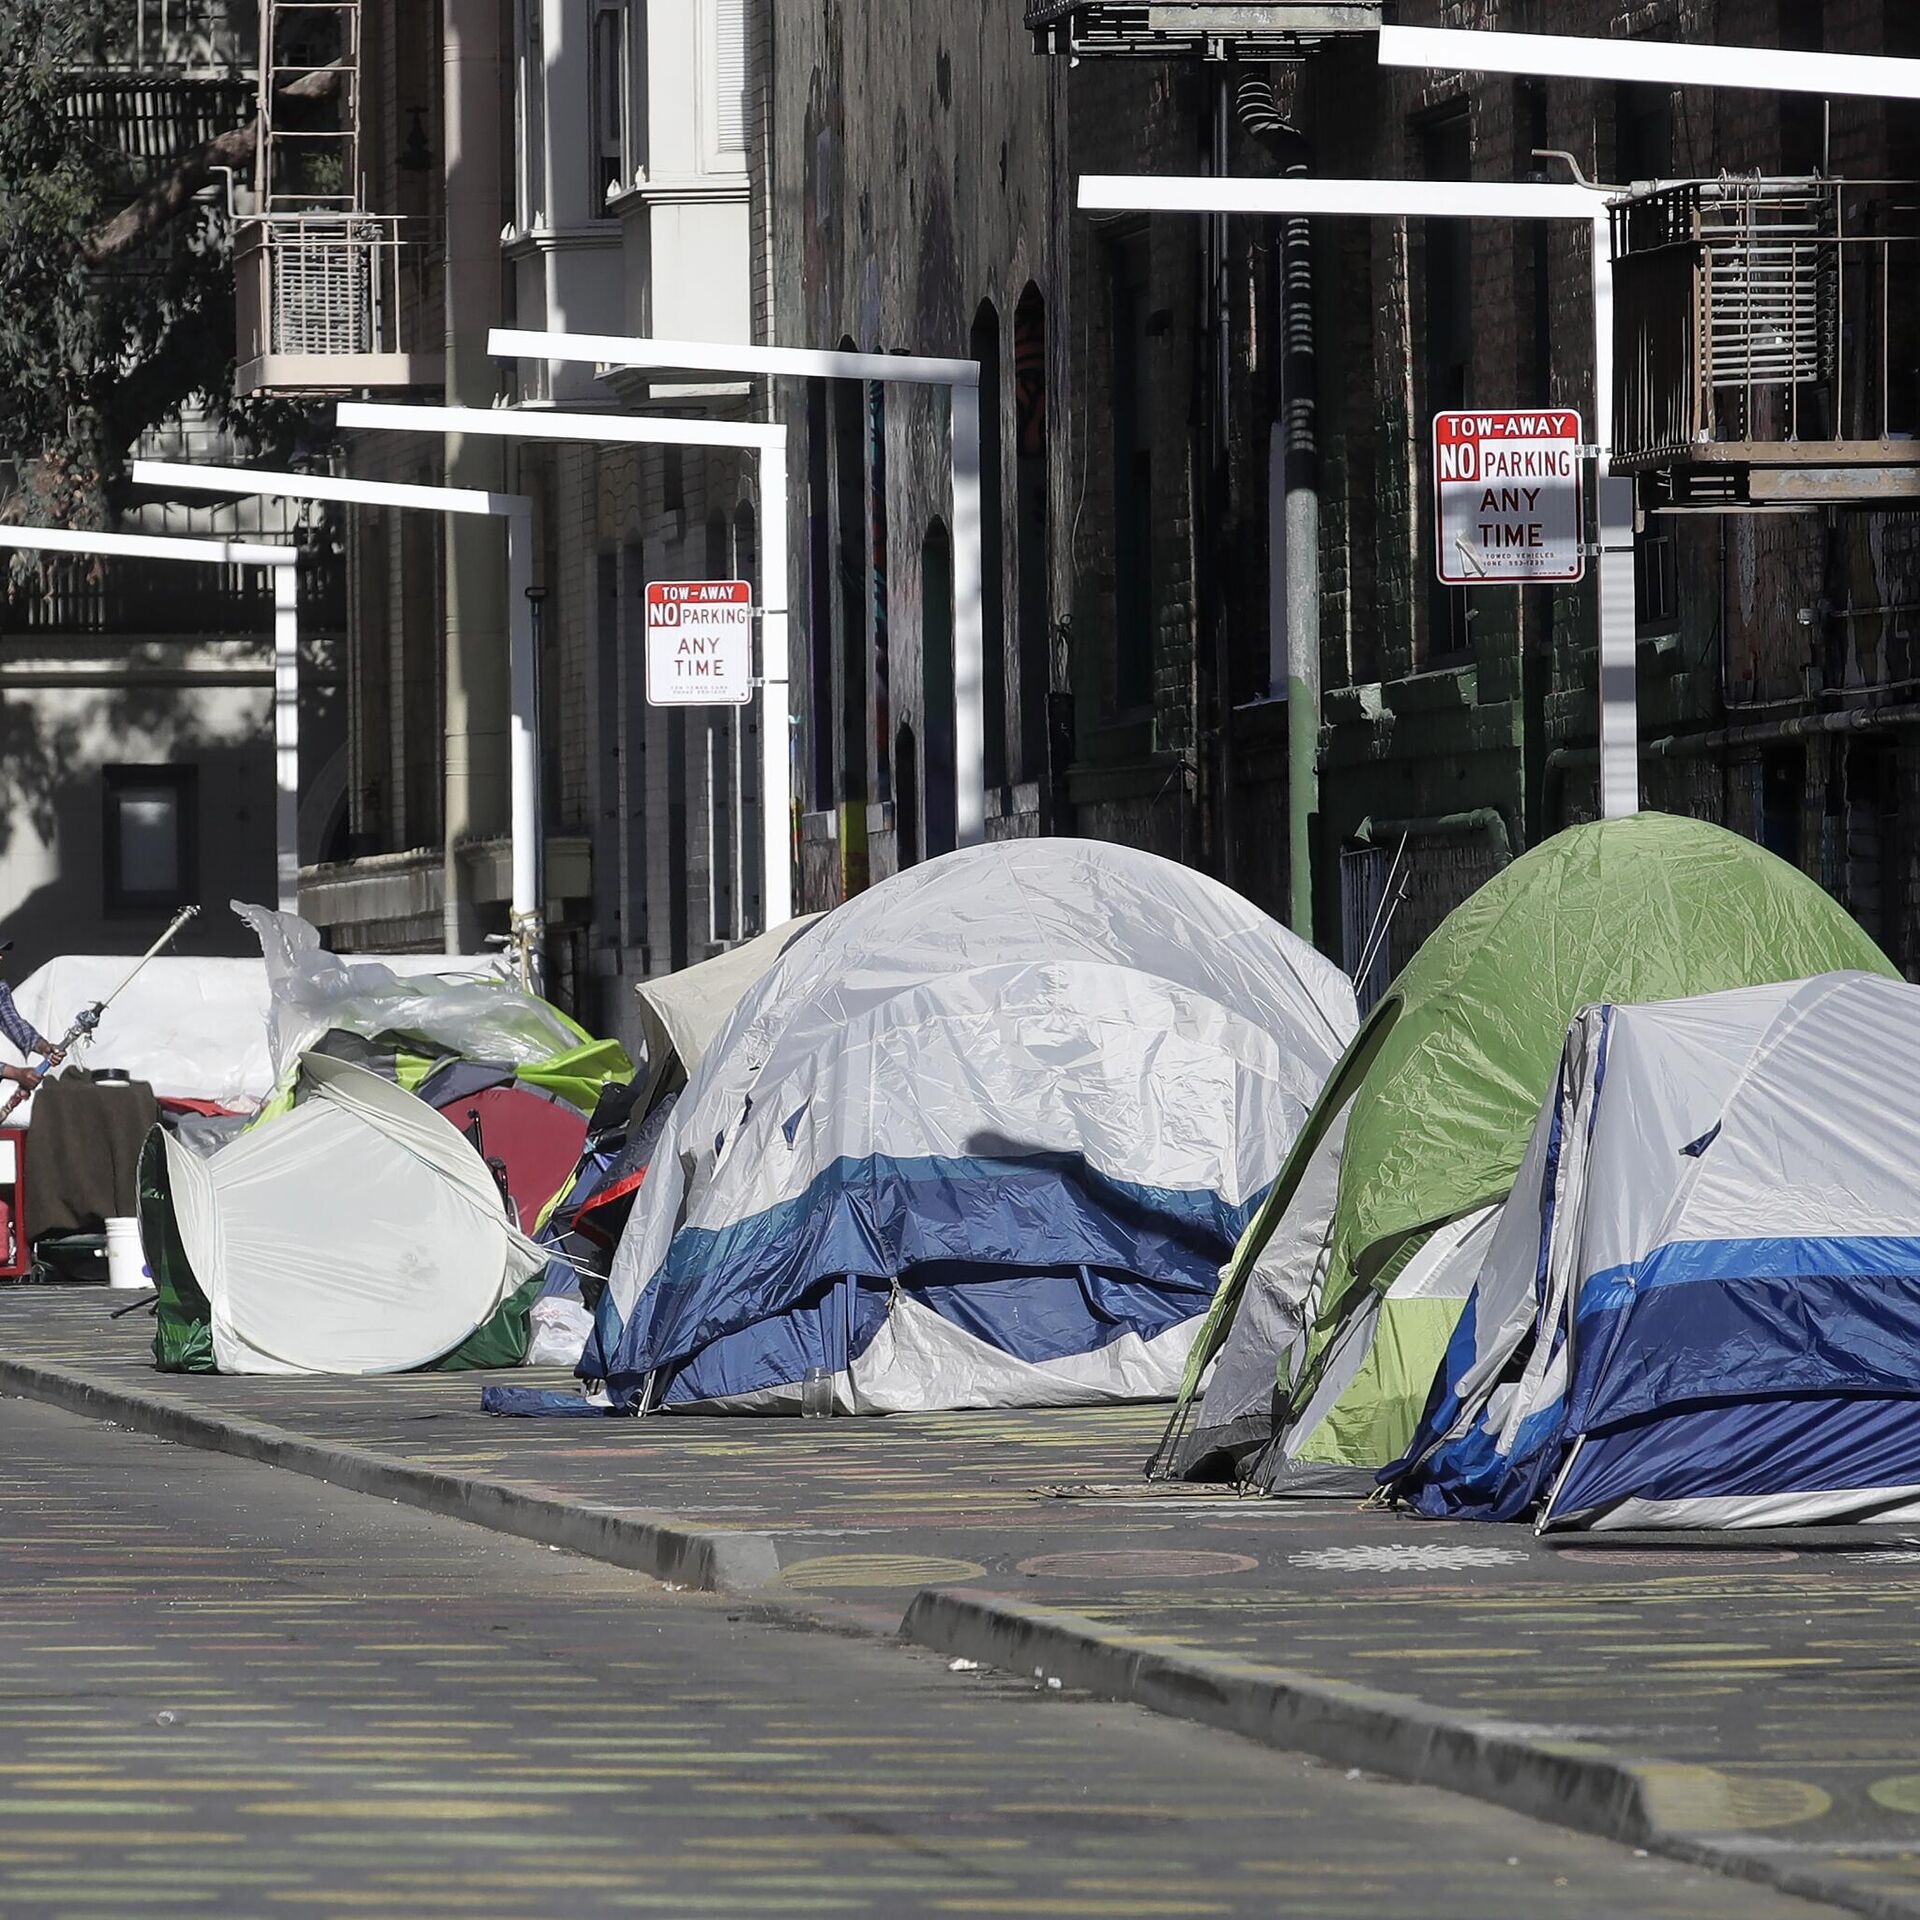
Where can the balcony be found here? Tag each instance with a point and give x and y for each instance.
(332, 302)
(1198, 29)
(1765, 343)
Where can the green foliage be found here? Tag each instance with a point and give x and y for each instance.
(92, 356)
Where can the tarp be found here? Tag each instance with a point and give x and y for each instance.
(480, 1014)
(1440, 1087)
(681, 1014)
(359, 1233)
(192, 1028)
(982, 1137)
(1702, 1305)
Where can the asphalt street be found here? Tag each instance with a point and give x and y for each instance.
(228, 1689)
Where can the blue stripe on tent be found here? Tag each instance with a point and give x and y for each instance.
(1035, 1317)
(1784, 1257)
(883, 1218)
(1469, 1473)
(1821, 1443)
(1748, 1338)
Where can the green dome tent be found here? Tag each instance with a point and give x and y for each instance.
(1332, 1316)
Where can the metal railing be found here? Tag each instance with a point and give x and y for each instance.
(329, 284)
(1773, 314)
(183, 36)
(1203, 29)
(151, 119)
(101, 599)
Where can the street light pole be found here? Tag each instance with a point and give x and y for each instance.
(962, 380)
(1468, 200)
(769, 445)
(516, 510)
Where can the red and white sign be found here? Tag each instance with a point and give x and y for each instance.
(1507, 497)
(699, 643)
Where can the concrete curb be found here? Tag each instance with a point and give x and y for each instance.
(1665, 1808)
(1682, 1812)
(709, 1560)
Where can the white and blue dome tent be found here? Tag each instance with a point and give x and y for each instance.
(982, 1137)
(1701, 1306)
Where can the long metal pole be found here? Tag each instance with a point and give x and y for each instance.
(1618, 692)
(776, 727)
(523, 761)
(286, 733)
(969, 729)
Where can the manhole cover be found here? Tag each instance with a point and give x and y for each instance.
(1680, 1560)
(1403, 1559)
(1136, 1566)
(832, 1572)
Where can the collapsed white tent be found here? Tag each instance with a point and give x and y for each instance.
(981, 1138)
(1701, 1306)
(358, 1233)
(193, 1027)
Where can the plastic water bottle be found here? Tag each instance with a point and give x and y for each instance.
(816, 1394)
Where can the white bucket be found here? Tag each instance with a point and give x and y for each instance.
(126, 1264)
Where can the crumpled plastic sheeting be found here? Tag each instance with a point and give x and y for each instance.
(481, 1014)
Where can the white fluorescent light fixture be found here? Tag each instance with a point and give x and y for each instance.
(1299, 194)
(517, 511)
(1651, 62)
(706, 356)
(961, 378)
(1363, 199)
(769, 443)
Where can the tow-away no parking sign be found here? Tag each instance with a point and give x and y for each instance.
(1508, 497)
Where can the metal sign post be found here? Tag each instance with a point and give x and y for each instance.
(962, 380)
(1467, 200)
(284, 565)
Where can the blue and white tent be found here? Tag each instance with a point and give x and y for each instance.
(1701, 1306)
(981, 1137)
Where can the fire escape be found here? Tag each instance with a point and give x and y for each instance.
(330, 293)
(1164, 29)
(1767, 341)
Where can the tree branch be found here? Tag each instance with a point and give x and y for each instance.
(164, 200)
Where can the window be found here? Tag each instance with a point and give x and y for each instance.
(1803, 116)
(730, 75)
(609, 99)
(1643, 133)
(985, 348)
(936, 688)
(1133, 583)
(1030, 530)
(152, 838)
(1656, 582)
(530, 113)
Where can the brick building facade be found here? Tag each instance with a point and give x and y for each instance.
(925, 167)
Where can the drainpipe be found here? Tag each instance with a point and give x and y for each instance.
(1293, 518)
(1301, 505)
(1805, 726)
(476, 637)
(1490, 821)
(1219, 492)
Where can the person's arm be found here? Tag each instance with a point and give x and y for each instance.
(25, 1038)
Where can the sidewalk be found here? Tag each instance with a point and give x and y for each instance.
(1754, 1706)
